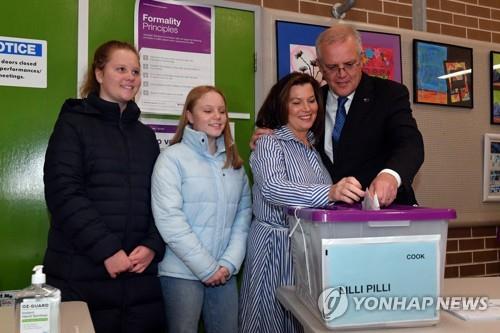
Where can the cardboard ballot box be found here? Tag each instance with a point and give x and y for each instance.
(356, 268)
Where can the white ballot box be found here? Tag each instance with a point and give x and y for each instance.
(356, 268)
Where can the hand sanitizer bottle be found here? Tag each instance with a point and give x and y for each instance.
(37, 306)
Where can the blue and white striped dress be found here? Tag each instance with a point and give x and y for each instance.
(286, 173)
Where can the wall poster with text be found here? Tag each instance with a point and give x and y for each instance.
(491, 173)
(176, 46)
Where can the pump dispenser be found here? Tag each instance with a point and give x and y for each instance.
(39, 276)
(37, 306)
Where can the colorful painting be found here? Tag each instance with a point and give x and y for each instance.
(442, 74)
(382, 55)
(291, 38)
(495, 87)
(458, 90)
(296, 51)
(378, 61)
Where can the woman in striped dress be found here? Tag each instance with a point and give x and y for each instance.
(287, 171)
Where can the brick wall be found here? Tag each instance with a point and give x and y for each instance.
(472, 251)
(473, 19)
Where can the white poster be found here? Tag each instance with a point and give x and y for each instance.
(23, 62)
(175, 42)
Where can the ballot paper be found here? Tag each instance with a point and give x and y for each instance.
(491, 313)
(370, 202)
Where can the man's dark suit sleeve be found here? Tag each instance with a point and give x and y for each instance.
(407, 147)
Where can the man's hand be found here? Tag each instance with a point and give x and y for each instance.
(385, 186)
(257, 134)
(348, 190)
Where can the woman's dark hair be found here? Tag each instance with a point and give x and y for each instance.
(274, 111)
(101, 58)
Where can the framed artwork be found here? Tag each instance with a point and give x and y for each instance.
(295, 48)
(495, 87)
(442, 74)
(382, 55)
(491, 184)
(296, 52)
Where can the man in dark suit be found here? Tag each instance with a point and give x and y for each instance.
(379, 146)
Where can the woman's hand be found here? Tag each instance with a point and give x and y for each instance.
(348, 190)
(117, 263)
(140, 258)
(218, 278)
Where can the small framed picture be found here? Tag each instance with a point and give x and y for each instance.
(442, 74)
(495, 87)
(382, 55)
(491, 185)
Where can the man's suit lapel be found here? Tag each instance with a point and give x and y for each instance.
(355, 121)
(360, 108)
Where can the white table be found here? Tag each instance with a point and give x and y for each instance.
(75, 318)
(487, 286)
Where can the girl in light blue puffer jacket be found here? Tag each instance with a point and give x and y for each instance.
(202, 207)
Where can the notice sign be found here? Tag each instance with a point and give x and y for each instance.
(23, 62)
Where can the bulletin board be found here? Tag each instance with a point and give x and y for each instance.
(452, 174)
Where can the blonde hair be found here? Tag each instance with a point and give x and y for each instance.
(101, 58)
(232, 157)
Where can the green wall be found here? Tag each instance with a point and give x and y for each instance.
(28, 114)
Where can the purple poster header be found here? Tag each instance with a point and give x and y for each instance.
(174, 27)
(160, 128)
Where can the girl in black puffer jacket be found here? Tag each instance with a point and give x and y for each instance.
(103, 247)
